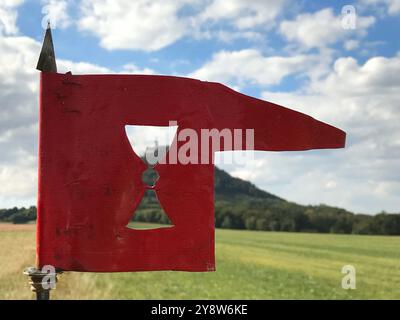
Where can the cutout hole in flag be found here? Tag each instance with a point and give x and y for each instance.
(150, 142)
(150, 210)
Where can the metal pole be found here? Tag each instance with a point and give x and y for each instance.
(46, 63)
(39, 285)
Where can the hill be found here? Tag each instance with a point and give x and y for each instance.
(226, 187)
(239, 204)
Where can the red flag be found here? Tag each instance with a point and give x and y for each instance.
(90, 178)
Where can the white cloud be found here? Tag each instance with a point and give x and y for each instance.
(321, 29)
(18, 117)
(363, 100)
(151, 25)
(19, 114)
(80, 67)
(56, 11)
(8, 16)
(250, 66)
(378, 76)
(229, 36)
(18, 83)
(392, 7)
(134, 69)
(141, 24)
(89, 68)
(243, 14)
(351, 44)
(20, 178)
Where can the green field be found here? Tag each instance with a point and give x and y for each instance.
(250, 265)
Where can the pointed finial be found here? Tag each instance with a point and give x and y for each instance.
(47, 58)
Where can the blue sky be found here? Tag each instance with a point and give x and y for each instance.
(295, 53)
(187, 54)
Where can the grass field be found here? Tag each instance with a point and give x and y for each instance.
(250, 265)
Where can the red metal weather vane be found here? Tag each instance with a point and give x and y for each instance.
(90, 178)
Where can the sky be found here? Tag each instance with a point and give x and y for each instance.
(343, 69)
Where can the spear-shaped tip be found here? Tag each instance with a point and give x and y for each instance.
(47, 58)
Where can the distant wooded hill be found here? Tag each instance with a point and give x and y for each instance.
(241, 205)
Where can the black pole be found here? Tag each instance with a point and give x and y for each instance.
(39, 285)
(45, 295)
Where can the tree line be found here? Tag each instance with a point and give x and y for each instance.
(239, 204)
(278, 217)
(318, 219)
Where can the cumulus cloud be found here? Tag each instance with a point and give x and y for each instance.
(228, 36)
(150, 25)
(321, 29)
(80, 67)
(142, 24)
(19, 178)
(243, 14)
(251, 67)
(363, 100)
(392, 7)
(18, 120)
(8, 16)
(90, 68)
(379, 75)
(56, 11)
(351, 44)
(131, 68)
(19, 84)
